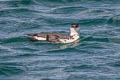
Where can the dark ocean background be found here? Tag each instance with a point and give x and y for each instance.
(95, 57)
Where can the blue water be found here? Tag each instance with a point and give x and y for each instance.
(95, 57)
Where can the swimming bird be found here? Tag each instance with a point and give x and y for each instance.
(55, 37)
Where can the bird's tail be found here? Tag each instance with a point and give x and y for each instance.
(31, 37)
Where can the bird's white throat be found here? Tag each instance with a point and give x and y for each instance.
(73, 32)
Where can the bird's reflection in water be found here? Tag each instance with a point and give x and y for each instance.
(75, 43)
(59, 47)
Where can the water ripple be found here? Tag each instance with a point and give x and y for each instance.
(95, 56)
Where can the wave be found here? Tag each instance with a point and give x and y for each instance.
(14, 39)
(10, 69)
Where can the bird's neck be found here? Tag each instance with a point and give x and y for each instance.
(73, 32)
